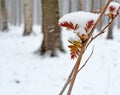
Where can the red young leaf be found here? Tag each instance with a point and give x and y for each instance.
(89, 25)
(74, 51)
(69, 25)
(111, 8)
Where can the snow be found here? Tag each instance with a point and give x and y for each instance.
(81, 18)
(22, 72)
(113, 8)
(74, 38)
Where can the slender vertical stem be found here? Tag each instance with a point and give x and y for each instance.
(101, 14)
(75, 71)
(67, 82)
(83, 49)
(74, 74)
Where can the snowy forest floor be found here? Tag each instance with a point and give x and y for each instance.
(22, 72)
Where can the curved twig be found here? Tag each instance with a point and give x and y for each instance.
(86, 60)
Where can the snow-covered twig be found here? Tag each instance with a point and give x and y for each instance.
(83, 28)
(70, 76)
(84, 48)
(103, 30)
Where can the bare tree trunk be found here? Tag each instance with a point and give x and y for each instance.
(52, 33)
(3, 15)
(118, 18)
(103, 20)
(28, 17)
(34, 11)
(39, 11)
(118, 22)
(75, 5)
(83, 5)
(10, 12)
(60, 7)
(14, 12)
(66, 6)
(110, 32)
(22, 11)
(18, 13)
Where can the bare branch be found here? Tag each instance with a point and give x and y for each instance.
(67, 82)
(84, 48)
(73, 74)
(70, 76)
(103, 30)
(86, 60)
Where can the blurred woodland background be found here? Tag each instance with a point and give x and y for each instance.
(46, 13)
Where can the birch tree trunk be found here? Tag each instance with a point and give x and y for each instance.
(3, 15)
(28, 17)
(52, 33)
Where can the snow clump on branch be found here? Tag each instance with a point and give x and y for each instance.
(113, 9)
(81, 22)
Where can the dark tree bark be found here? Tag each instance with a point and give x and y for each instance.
(52, 33)
(3, 16)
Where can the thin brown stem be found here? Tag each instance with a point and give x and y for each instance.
(103, 30)
(70, 76)
(75, 71)
(67, 82)
(99, 18)
(83, 49)
(73, 74)
(86, 60)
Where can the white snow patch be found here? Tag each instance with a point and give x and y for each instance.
(81, 18)
(112, 5)
(24, 73)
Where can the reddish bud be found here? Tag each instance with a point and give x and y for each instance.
(111, 8)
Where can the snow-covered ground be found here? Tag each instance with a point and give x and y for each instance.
(22, 72)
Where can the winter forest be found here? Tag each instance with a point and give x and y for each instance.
(59, 47)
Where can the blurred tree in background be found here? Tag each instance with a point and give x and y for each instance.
(28, 17)
(52, 33)
(45, 13)
(3, 16)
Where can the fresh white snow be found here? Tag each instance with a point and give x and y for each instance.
(113, 8)
(80, 18)
(22, 72)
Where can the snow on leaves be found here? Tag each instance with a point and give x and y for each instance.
(75, 46)
(113, 9)
(81, 23)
